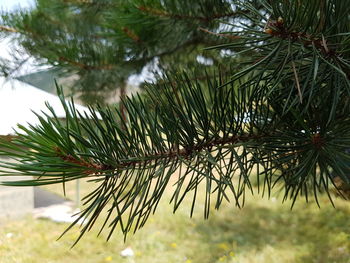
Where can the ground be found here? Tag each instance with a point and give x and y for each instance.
(264, 231)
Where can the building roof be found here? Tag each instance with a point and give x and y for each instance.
(43, 79)
(18, 100)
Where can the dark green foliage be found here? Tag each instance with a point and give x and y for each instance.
(105, 42)
(278, 115)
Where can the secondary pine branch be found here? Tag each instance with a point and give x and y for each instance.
(162, 13)
(85, 66)
(278, 29)
(90, 166)
(8, 29)
(131, 34)
(186, 153)
(219, 34)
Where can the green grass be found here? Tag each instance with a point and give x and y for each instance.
(264, 231)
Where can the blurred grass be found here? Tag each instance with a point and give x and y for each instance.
(264, 231)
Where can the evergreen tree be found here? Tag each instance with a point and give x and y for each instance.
(105, 42)
(278, 116)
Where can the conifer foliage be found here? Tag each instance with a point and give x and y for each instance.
(102, 43)
(278, 117)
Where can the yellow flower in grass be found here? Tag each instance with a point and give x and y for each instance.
(224, 246)
(188, 261)
(108, 259)
(222, 259)
(173, 245)
(232, 254)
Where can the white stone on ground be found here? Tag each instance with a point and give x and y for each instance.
(61, 213)
(128, 252)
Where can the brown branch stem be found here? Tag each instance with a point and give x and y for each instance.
(278, 29)
(85, 66)
(122, 97)
(8, 29)
(131, 34)
(218, 34)
(93, 168)
(162, 13)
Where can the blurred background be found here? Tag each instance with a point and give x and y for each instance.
(264, 231)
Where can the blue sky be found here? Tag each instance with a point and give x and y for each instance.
(5, 45)
(12, 4)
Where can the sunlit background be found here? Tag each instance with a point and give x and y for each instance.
(265, 231)
(13, 4)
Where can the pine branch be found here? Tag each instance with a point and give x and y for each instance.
(218, 34)
(8, 29)
(186, 153)
(163, 13)
(281, 118)
(149, 148)
(81, 65)
(222, 135)
(278, 29)
(131, 34)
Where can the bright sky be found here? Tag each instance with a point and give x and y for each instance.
(27, 98)
(5, 45)
(13, 4)
(10, 5)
